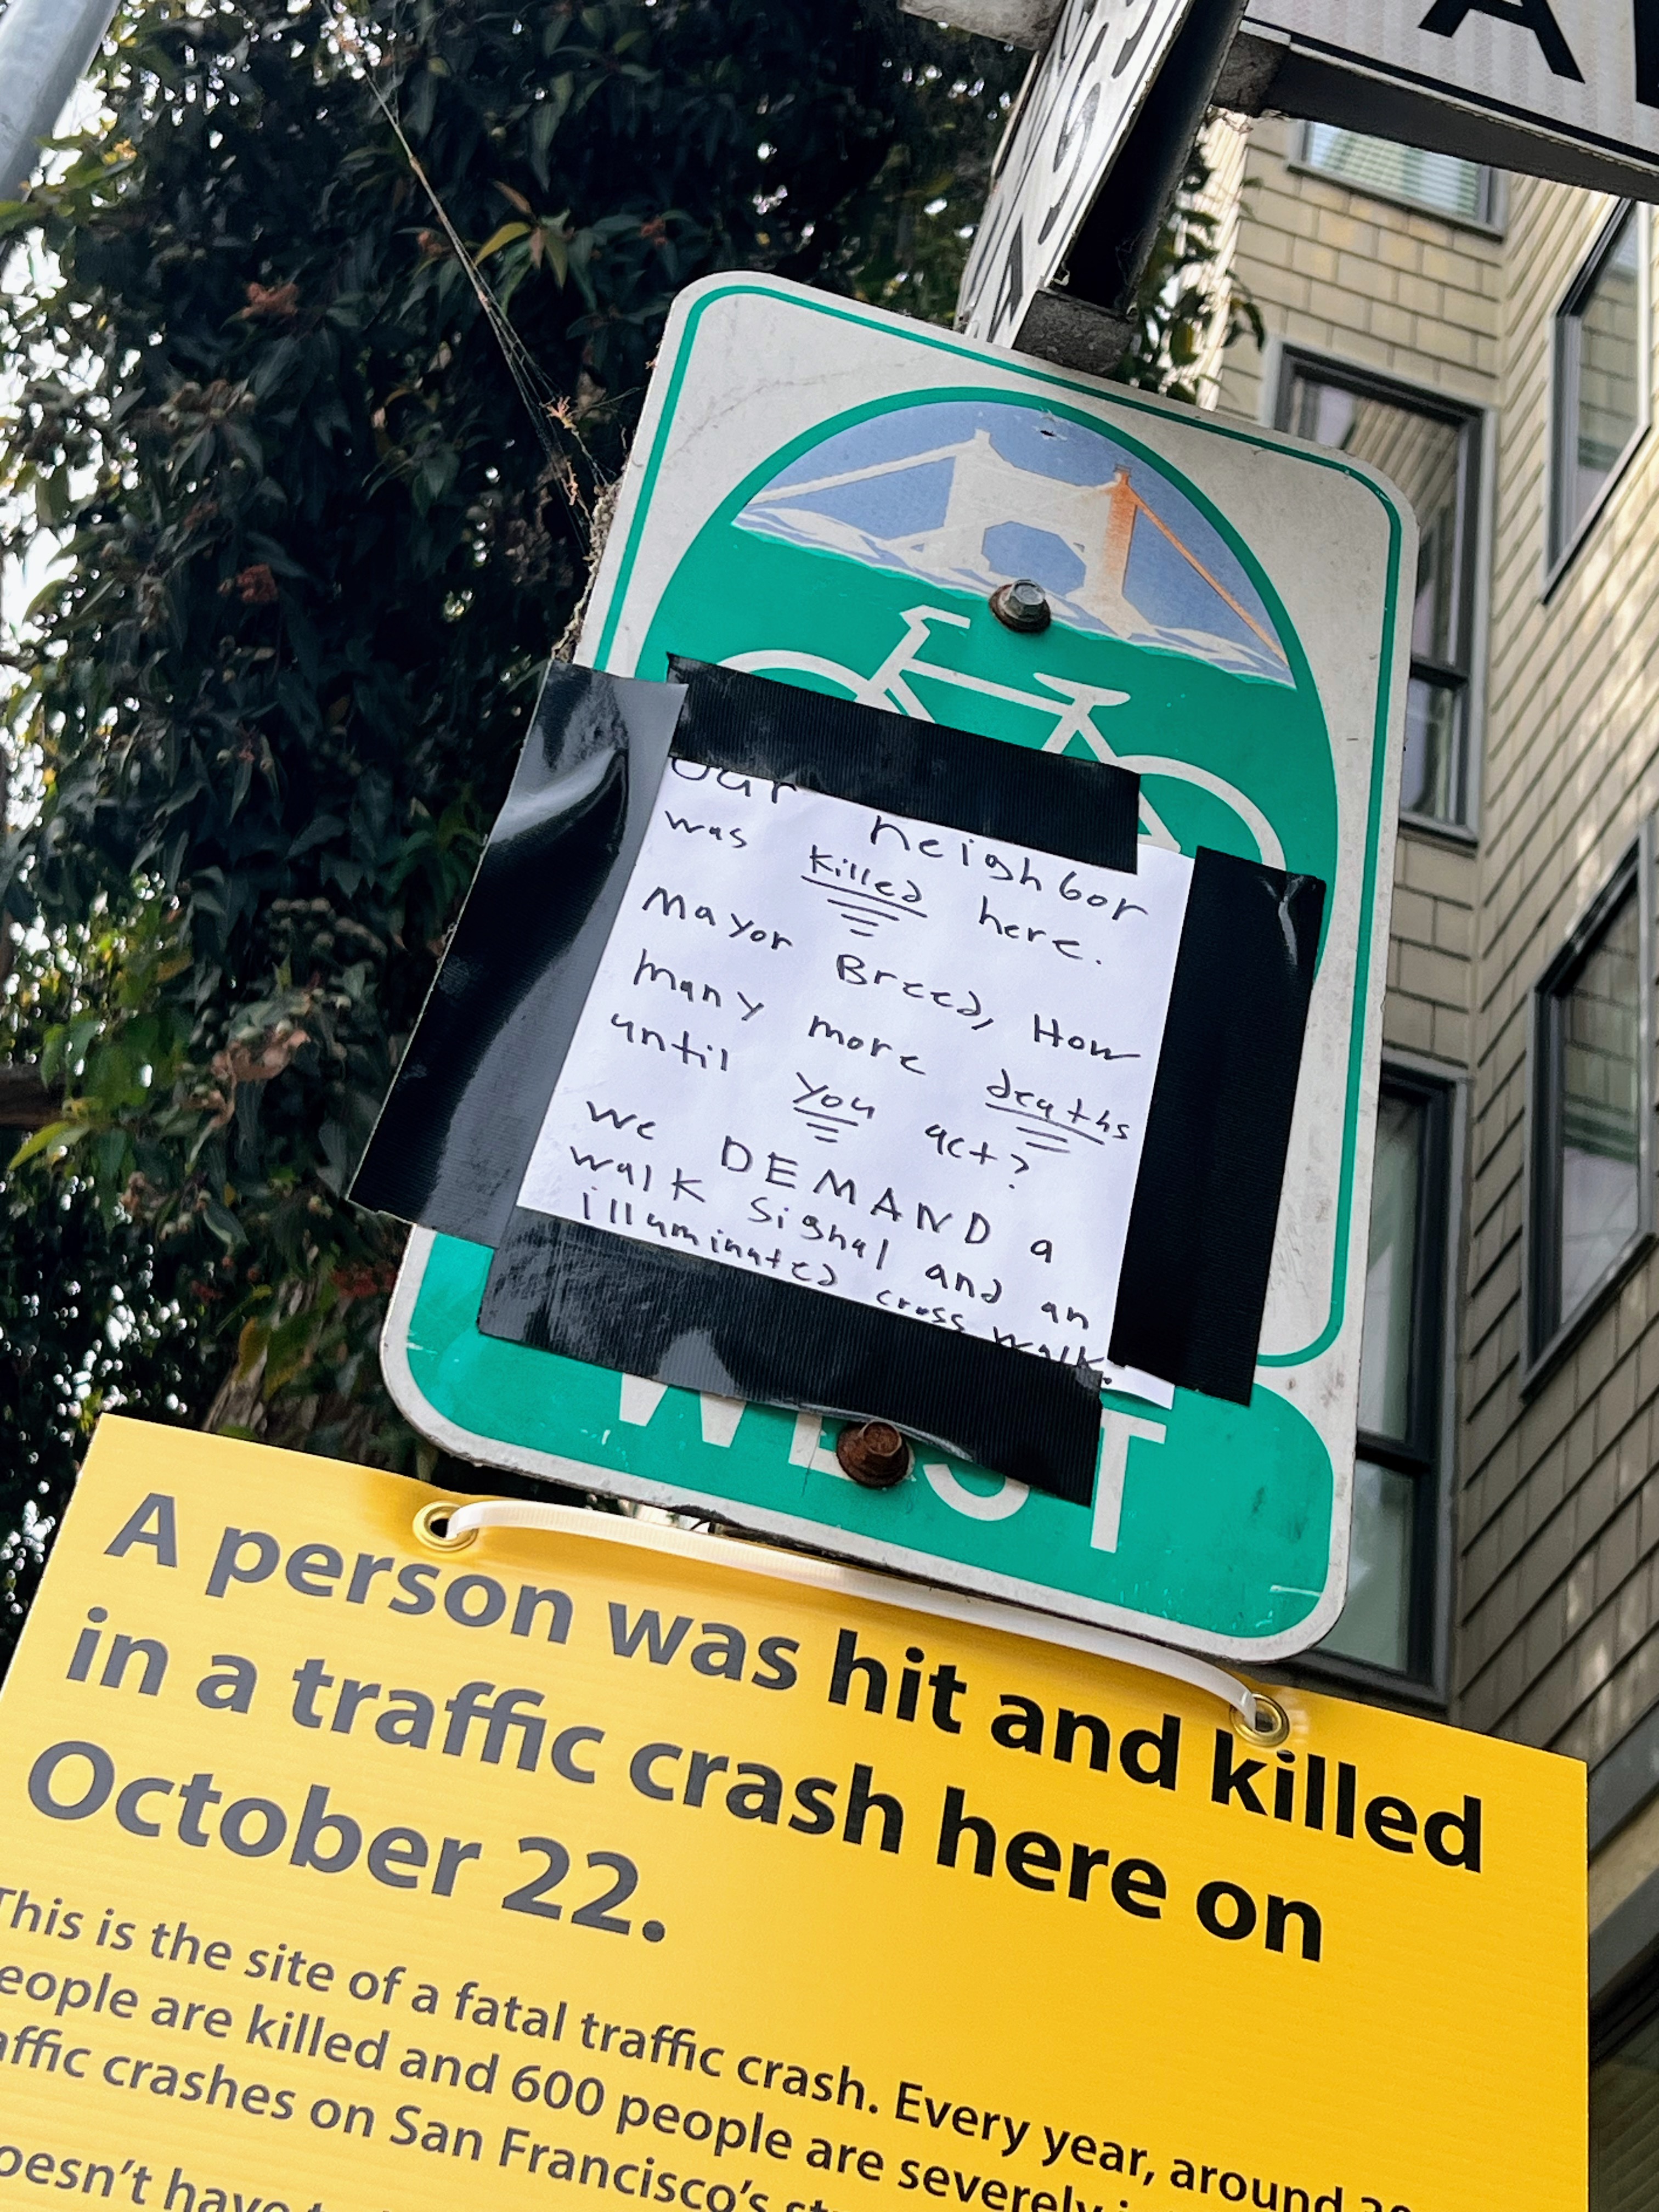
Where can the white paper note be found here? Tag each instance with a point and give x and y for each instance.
(893, 1063)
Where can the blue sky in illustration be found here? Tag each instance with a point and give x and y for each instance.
(1180, 609)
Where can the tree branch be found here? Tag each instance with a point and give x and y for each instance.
(25, 1100)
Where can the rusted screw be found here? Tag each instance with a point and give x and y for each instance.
(1022, 606)
(874, 1453)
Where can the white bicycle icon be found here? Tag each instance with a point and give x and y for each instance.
(1072, 711)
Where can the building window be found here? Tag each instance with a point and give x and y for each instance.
(1601, 377)
(1388, 1619)
(1464, 191)
(1592, 1048)
(1624, 2108)
(1433, 454)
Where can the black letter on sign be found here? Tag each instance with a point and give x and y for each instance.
(44, 1773)
(1447, 17)
(154, 1525)
(1011, 282)
(1647, 51)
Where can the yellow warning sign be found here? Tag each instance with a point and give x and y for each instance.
(339, 1873)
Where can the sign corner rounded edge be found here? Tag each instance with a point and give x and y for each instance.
(397, 1370)
(735, 283)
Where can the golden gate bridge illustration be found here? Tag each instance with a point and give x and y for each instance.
(1097, 522)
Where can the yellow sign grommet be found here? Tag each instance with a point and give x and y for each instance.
(1273, 1724)
(432, 1526)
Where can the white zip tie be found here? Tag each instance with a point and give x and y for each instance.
(463, 1522)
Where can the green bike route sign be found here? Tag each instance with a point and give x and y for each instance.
(828, 494)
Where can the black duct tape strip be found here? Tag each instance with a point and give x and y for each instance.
(455, 1136)
(1200, 1239)
(1079, 809)
(564, 1288)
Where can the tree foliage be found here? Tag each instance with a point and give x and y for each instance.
(326, 486)
(85, 1328)
(1188, 309)
(323, 531)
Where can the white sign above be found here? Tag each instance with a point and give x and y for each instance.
(1566, 89)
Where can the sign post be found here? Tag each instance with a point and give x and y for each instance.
(351, 1857)
(829, 498)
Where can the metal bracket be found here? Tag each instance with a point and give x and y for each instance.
(1028, 23)
(1061, 327)
(1246, 75)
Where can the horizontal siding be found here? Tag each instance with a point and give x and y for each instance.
(1381, 286)
(1558, 1523)
(1557, 1543)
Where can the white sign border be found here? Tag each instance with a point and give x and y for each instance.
(823, 1538)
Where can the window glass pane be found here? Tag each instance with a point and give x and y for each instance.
(1598, 1024)
(1385, 1358)
(1324, 412)
(1624, 2126)
(1605, 388)
(1376, 1622)
(1431, 782)
(1400, 172)
(1423, 455)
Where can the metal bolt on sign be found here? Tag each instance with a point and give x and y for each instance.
(1022, 606)
(874, 1453)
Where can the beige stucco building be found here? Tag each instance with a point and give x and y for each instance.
(1489, 343)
